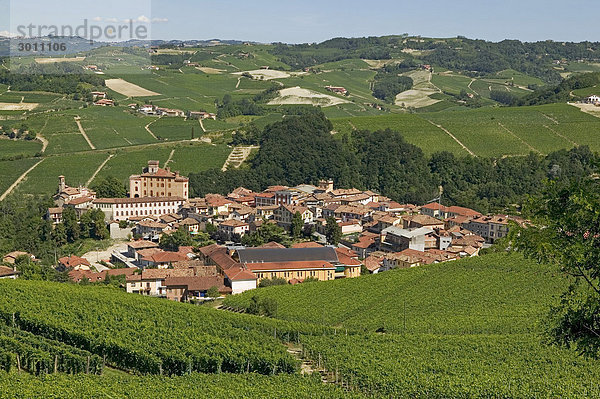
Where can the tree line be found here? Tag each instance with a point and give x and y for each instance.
(300, 149)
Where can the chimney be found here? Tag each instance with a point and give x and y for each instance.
(61, 184)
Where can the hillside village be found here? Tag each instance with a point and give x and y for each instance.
(371, 234)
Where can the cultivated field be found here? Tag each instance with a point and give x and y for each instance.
(490, 131)
(128, 89)
(298, 95)
(266, 74)
(18, 106)
(51, 60)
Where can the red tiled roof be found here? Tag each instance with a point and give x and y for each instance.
(142, 244)
(165, 257)
(238, 273)
(197, 283)
(234, 223)
(80, 200)
(309, 244)
(272, 244)
(7, 271)
(73, 261)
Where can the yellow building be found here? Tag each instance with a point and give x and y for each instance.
(157, 182)
(293, 270)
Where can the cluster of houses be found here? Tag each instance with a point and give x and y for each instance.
(378, 233)
(150, 109)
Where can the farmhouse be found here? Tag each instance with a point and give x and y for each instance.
(8, 273)
(337, 90)
(593, 99)
(104, 102)
(148, 109)
(157, 182)
(98, 94)
(169, 112)
(201, 115)
(74, 263)
(184, 289)
(11, 257)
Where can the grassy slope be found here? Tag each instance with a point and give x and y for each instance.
(495, 294)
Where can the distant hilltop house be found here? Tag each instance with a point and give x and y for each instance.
(158, 182)
(104, 102)
(98, 94)
(92, 68)
(337, 90)
(147, 109)
(593, 99)
(169, 112)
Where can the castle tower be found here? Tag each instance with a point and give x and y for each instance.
(152, 167)
(61, 184)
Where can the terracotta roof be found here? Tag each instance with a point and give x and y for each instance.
(271, 244)
(55, 210)
(238, 273)
(80, 200)
(423, 220)
(165, 174)
(345, 259)
(197, 283)
(7, 271)
(309, 244)
(148, 252)
(73, 261)
(165, 257)
(209, 249)
(151, 224)
(271, 189)
(234, 223)
(373, 262)
(12, 256)
(142, 244)
(189, 222)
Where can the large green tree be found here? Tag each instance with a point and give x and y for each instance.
(109, 187)
(333, 231)
(566, 232)
(179, 238)
(297, 225)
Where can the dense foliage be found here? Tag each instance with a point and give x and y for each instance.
(566, 233)
(109, 187)
(389, 82)
(561, 92)
(57, 78)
